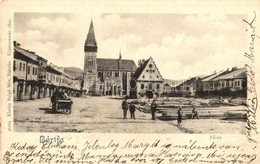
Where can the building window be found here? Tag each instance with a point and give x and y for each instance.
(20, 67)
(142, 86)
(35, 71)
(90, 63)
(99, 74)
(143, 76)
(116, 74)
(23, 66)
(147, 70)
(14, 66)
(158, 86)
(28, 71)
(150, 86)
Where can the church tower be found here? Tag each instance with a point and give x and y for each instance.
(90, 62)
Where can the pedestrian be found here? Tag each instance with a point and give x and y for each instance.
(194, 113)
(124, 107)
(153, 109)
(132, 110)
(54, 97)
(180, 113)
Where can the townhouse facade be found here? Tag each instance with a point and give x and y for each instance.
(34, 78)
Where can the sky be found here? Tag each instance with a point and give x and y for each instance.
(182, 45)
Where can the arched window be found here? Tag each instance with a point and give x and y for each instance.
(99, 74)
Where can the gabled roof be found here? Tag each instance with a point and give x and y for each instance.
(234, 74)
(113, 64)
(140, 69)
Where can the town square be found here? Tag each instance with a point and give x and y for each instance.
(183, 84)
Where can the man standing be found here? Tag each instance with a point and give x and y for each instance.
(132, 110)
(179, 113)
(153, 109)
(124, 107)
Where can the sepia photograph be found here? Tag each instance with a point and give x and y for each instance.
(129, 82)
(130, 73)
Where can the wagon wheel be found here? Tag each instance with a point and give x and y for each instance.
(68, 110)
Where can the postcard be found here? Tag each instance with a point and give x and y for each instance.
(93, 82)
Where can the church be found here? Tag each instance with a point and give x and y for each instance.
(105, 76)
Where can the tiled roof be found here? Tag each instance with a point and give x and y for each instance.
(213, 76)
(112, 64)
(26, 53)
(140, 69)
(234, 74)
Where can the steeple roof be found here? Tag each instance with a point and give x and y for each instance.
(90, 43)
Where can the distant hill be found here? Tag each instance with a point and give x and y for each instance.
(173, 82)
(73, 71)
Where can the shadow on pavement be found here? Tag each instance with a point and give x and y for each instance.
(48, 111)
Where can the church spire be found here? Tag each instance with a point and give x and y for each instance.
(120, 60)
(120, 56)
(90, 43)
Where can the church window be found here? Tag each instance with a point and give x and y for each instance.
(116, 74)
(99, 74)
(90, 63)
(150, 65)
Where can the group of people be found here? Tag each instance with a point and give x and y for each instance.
(58, 94)
(194, 114)
(132, 109)
(125, 109)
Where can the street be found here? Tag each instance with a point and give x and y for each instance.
(89, 115)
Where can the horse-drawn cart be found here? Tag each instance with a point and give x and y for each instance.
(62, 105)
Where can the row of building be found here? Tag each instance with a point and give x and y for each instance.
(34, 78)
(234, 79)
